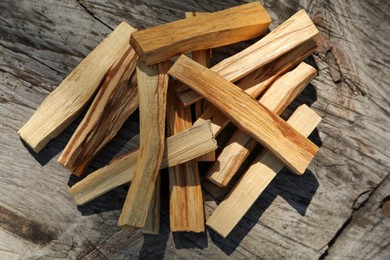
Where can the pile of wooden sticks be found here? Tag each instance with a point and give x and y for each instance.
(133, 69)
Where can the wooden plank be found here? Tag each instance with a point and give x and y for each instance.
(279, 95)
(256, 82)
(116, 100)
(152, 91)
(67, 101)
(256, 179)
(293, 32)
(180, 148)
(246, 113)
(186, 211)
(221, 28)
(152, 224)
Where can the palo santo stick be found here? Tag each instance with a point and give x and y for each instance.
(116, 100)
(293, 32)
(186, 211)
(179, 148)
(221, 28)
(247, 114)
(256, 82)
(66, 102)
(152, 224)
(256, 179)
(279, 95)
(152, 91)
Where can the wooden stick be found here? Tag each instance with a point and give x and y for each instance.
(256, 179)
(180, 148)
(186, 211)
(152, 224)
(152, 90)
(221, 28)
(292, 33)
(116, 100)
(281, 93)
(256, 82)
(246, 113)
(67, 101)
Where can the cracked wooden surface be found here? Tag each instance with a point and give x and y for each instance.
(333, 210)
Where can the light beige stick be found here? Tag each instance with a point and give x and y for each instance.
(266, 127)
(116, 100)
(292, 33)
(221, 28)
(280, 94)
(256, 82)
(179, 148)
(152, 91)
(186, 211)
(256, 179)
(152, 224)
(67, 101)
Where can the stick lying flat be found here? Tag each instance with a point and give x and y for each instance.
(256, 82)
(246, 113)
(293, 32)
(152, 91)
(225, 27)
(116, 100)
(256, 179)
(281, 93)
(152, 224)
(179, 148)
(185, 194)
(65, 103)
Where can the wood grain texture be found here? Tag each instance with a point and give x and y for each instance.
(259, 175)
(152, 223)
(152, 88)
(115, 101)
(296, 217)
(247, 114)
(185, 194)
(292, 33)
(277, 97)
(66, 102)
(180, 148)
(221, 28)
(256, 82)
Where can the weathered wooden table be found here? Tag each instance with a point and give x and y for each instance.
(333, 210)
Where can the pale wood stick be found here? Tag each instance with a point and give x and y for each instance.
(152, 91)
(67, 101)
(186, 211)
(279, 95)
(152, 224)
(221, 28)
(179, 148)
(293, 32)
(256, 178)
(116, 100)
(256, 82)
(266, 127)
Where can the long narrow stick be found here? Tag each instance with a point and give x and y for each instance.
(246, 113)
(256, 179)
(152, 90)
(185, 194)
(116, 100)
(281, 93)
(179, 148)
